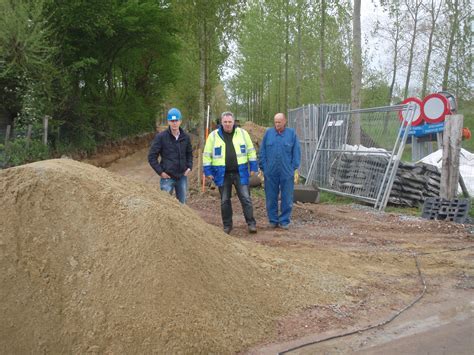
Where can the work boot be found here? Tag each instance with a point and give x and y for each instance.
(272, 225)
(252, 228)
(227, 230)
(284, 226)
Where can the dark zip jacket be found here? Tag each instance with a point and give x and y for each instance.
(176, 156)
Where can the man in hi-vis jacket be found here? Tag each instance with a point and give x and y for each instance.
(228, 155)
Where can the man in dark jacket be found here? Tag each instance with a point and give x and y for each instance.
(174, 148)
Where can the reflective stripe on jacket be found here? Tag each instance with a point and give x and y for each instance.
(214, 155)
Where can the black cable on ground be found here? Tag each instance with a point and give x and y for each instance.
(446, 251)
(419, 297)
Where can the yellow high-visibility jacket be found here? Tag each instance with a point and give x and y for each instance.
(214, 155)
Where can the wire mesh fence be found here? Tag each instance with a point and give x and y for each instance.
(308, 121)
(23, 143)
(358, 153)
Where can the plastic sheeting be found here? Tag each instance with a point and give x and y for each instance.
(466, 167)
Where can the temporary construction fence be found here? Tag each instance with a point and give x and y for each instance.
(358, 152)
(17, 145)
(308, 121)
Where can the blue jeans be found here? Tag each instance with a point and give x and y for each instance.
(275, 185)
(179, 185)
(243, 192)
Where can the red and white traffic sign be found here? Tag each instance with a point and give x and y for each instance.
(435, 107)
(417, 118)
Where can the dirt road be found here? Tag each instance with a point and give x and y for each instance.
(392, 261)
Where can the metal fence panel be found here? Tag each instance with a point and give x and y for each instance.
(360, 163)
(308, 122)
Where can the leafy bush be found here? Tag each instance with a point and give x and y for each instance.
(466, 108)
(20, 151)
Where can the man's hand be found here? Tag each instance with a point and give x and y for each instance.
(210, 177)
(296, 177)
(164, 175)
(186, 173)
(252, 173)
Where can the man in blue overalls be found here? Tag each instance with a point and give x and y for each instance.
(280, 156)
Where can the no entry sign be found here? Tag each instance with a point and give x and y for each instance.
(417, 118)
(435, 108)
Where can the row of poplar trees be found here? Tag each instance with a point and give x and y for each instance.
(108, 69)
(295, 52)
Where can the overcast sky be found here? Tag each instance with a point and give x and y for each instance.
(369, 14)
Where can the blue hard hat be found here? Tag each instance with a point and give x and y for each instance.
(174, 114)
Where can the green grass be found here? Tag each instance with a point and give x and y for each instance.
(411, 211)
(332, 199)
(257, 191)
(466, 108)
(328, 198)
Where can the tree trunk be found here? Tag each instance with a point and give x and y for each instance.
(249, 106)
(278, 101)
(414, 14)
(434, 13)
(395, 67)
(321, 51)
(298, 56)
(269, 87)
(395, 57)
(287, 49)
(453, 8)
(262, 93)
(356, 72)
(202, 80)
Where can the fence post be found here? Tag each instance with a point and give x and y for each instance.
(45, 130)
(7, 134)
(28, 135)
(452, 136)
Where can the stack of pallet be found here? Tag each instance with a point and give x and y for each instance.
(363, 174)
(414, 183)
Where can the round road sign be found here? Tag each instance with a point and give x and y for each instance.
(435, 108)
(417, 119)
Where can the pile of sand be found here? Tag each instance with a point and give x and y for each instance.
(256, 132)
(92, 262)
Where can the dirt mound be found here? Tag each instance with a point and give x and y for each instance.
(256, 132)
(95, 263)
(112, 151)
